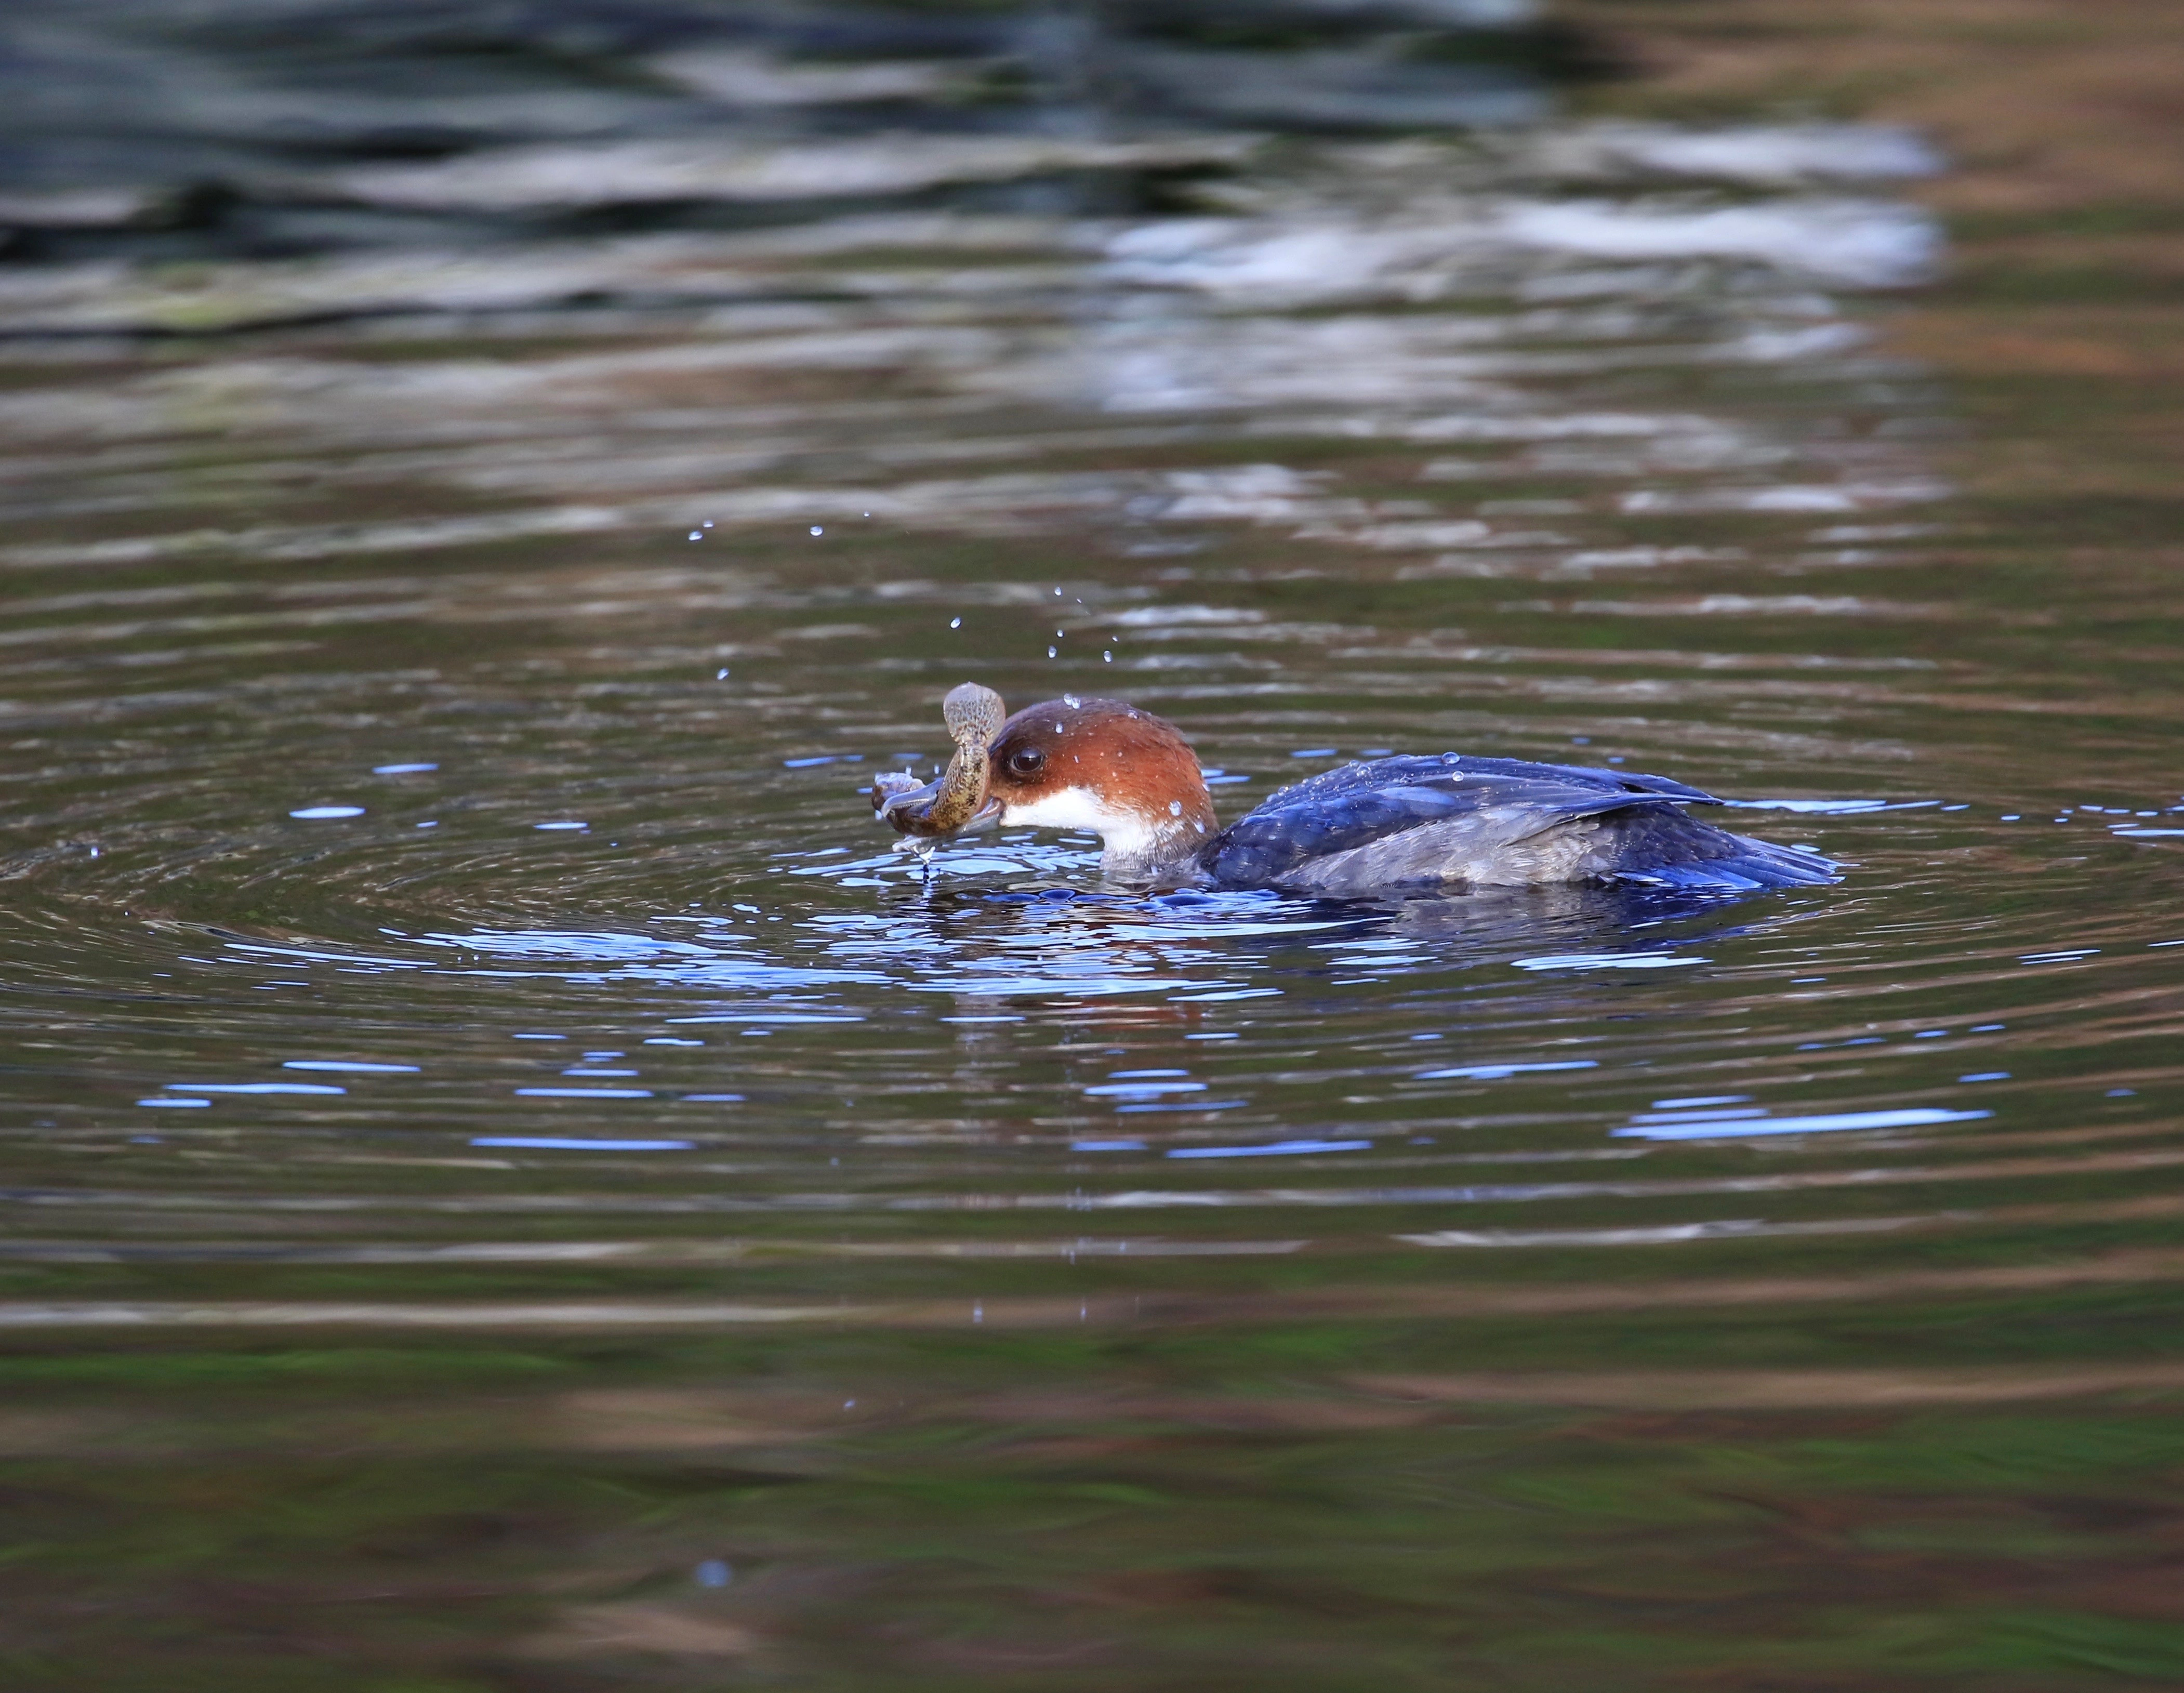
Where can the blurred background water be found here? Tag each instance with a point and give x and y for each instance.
(510, 1184)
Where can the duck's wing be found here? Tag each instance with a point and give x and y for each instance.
(1421, 819)
(1581, 775)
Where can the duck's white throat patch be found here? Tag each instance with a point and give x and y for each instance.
(1122, 832)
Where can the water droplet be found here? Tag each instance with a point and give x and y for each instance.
(1050, 652)
(955, 622)
(818, 529)
(708, 524)
(313, 813)
(1175, 808)
(1106, 658)
(697, 534)
(721, 674)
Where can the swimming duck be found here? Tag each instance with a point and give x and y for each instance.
(1406, 824)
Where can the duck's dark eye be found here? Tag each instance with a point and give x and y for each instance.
(1027, 761)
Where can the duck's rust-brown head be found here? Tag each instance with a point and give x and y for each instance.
(1078, 763)
(1105, 766)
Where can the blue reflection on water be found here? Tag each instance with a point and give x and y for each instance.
(1279, 1149)
(1738, 1127)
(551, 1143)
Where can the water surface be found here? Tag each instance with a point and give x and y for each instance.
(511, 1184)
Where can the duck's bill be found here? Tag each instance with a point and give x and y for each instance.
(908, 811)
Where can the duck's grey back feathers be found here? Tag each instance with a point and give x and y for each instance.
(1423, 823)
